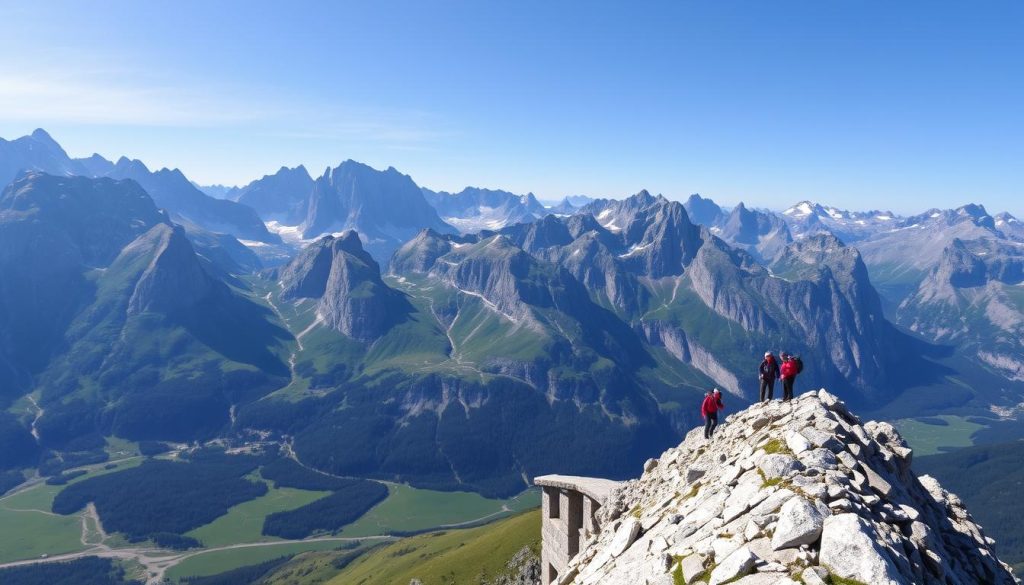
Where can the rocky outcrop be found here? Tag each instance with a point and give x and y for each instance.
(522, 569)
(173, 279)
(346, 280)
(796, 492)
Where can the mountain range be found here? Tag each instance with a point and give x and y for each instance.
(473, 209)
(169, 188)
(398, 332)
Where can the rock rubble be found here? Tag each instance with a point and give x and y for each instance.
(796, 492)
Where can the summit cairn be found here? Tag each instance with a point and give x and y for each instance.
(786, 493)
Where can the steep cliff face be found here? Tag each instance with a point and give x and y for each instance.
(817, 297)
(682, 287)
(798, 492)
(174, 278)
(521, 315)
(282, 196)
(659, 236)
(704, 211)
(346, 280)
(973, 298)
(386, 207)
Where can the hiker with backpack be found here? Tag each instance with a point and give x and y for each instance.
(791, 366)
(768, 371)
(709, 409)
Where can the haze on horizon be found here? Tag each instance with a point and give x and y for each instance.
(892, 106)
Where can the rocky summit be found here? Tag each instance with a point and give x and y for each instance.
(798, 492)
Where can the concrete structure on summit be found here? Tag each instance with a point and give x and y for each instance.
(569, 508)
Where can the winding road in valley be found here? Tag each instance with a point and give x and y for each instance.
(157, 561)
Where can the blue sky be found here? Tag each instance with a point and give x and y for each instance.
(897, 105)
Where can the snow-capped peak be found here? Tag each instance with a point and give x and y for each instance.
(800, 209)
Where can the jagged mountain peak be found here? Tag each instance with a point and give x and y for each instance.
(43, 137)
(95, 165)
(282, 196)
(420, 253)
(386, 207)
(174, 278)
(346, 281)
(974, 210)
(797, 492)
(803, 208)
(703, 210)
(307, 274)
(350, 165)
(298, 170)
(808, 217)
(1009, 226)
(126, 164)
(808, 256)
(763, 235)
(969, 214)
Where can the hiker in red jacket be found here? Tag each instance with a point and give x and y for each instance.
(790, 369)
(768, 371)
(709, 410)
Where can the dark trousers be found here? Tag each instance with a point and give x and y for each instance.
(787, 388)
(710, 422)
(767, 389)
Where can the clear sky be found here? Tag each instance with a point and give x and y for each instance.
(900, 105)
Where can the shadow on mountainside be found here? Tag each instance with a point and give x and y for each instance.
(238, 329)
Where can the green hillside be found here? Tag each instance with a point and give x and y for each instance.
(455, 556)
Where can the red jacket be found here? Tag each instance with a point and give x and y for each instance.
(788, 370)
(711, 405)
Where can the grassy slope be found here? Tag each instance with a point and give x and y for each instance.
(212, 563)
(39, 530)
(410, 509)
(406, 509)
(458, 555)
(244, 522)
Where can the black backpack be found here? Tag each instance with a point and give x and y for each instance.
(799, 364)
